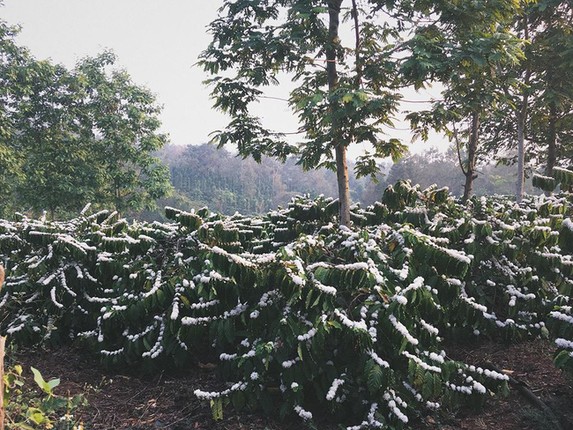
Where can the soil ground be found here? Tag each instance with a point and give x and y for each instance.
(166, 401)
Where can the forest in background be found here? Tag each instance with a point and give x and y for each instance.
(202, 175)
(90, 134)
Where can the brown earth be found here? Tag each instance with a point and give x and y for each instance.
(166, 401)
(529, 364)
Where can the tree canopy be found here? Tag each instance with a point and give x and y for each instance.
(69, 137)
(349, 62)
(344, 94)
(543, 81)
(513, 104)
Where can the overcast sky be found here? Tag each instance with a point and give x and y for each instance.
(156, 41)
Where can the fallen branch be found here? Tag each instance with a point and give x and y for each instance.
(524, 390)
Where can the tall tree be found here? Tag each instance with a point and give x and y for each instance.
(121, 125)
(71, 137)
(552, 64)
(462, 49)
(345, 93)
(56, 164)
(13, 88)
(539, 105)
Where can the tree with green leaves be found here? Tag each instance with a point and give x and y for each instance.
(121, 126)
(536, 114)
(57, 165)
(12, 67)
(463, 49)
(69, 137)
(347, 93)
(344, 94)
(551, 65)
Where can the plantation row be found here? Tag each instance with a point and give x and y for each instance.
(297, 311)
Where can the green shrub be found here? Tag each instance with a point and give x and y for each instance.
(39, 408)
(301, 314)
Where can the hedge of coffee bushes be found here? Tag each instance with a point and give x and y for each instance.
(298, 313)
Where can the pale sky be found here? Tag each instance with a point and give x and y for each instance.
(156, 41)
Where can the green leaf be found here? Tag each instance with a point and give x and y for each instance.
(335, 324)
(437, 386)
(238, 400)
(46, 387)
(217, 408)
(428, 387)
(346, 98)
(562, 359)
(419, 375)
(375, 379)
(36, 416)
(412, 366)
(308, 299)
(299, 351)
(504, 389)
(53, 383)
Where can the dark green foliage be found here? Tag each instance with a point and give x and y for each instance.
(69, 137)
(561, 177)
(537, 89)
(297, 310)
(544, 183)
(228, 184)
(564, 177)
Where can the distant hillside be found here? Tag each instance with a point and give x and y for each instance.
(203, 176)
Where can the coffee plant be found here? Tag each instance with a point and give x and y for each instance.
(299, 313)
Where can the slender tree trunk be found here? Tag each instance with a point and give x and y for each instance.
(520, 155)
(340, 148)
(472, 152)
(551, 140)
(2, 344)
(343, 187)
(358, 60)
(521, 121)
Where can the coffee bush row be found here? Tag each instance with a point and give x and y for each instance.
(297, 312)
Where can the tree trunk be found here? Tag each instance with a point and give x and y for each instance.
(521, 120)
(343, 187)
(472, 151)
(520, 157)
(340, 148)
(551, 140)
(2, 344)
